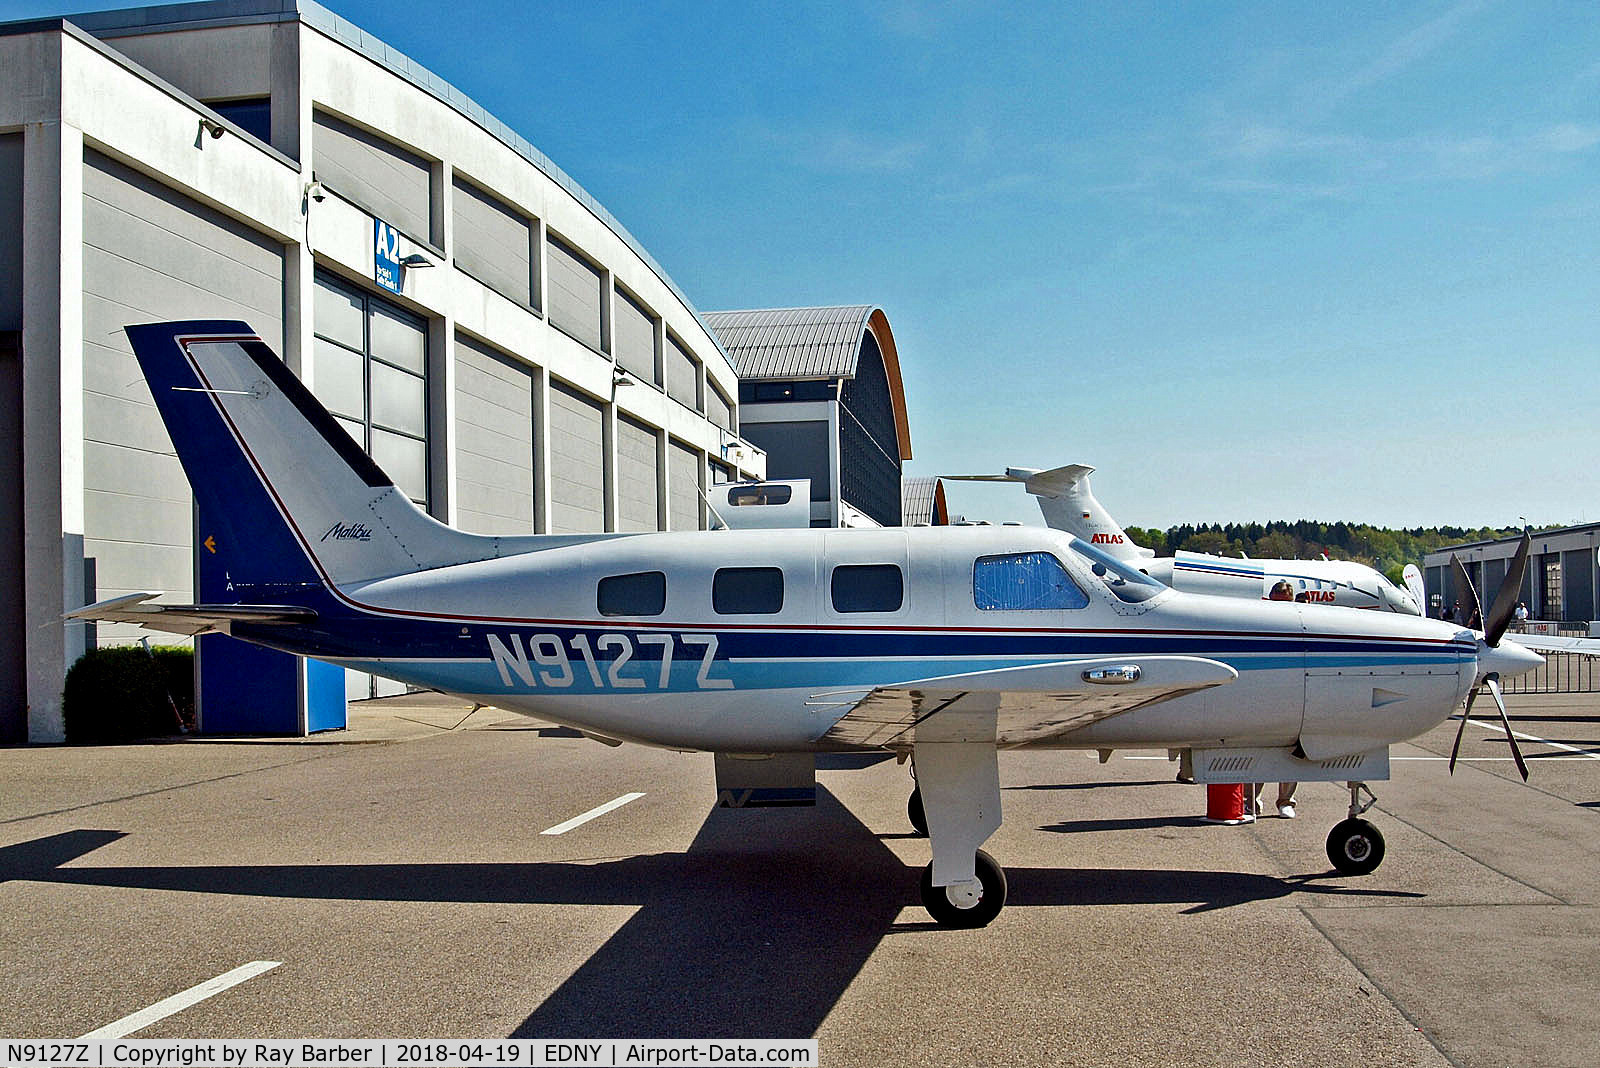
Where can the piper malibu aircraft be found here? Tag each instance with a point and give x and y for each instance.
(942, 644)
(1068, 504)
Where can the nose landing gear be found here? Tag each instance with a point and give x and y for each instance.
(1354, 846)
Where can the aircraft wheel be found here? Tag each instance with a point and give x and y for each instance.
(914, 812)
(991, 899)
(1355, 847)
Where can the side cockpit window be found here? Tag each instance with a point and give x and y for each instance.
(1024, 582)
(640, 594)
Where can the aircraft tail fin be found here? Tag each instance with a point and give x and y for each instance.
(1412, 576)
(288, 500)
(1069, 504)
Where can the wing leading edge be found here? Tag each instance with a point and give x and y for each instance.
(1015, 706)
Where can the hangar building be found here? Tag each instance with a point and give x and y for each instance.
(820, 391)
(481, 325)
(1560, 584)
(922, 501)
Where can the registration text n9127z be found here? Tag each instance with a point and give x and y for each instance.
(611, 661)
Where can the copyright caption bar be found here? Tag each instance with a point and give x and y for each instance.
(407, 1053)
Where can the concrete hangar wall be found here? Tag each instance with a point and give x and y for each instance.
(1561, 584)
(536, 371)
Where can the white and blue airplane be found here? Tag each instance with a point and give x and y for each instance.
(943, 645)
(1068, 504)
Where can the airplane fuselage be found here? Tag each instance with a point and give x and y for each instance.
(644, 639)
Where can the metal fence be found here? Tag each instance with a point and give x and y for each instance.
(1562, 672)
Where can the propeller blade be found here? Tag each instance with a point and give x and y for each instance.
(1505, 601)
(1468, 593)
(1493, 682)
(1466, 714)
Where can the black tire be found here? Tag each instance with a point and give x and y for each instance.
(914, 813)
(1355, 847)
(991, 876)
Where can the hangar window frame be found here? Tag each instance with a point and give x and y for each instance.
(529, 298)
(392, 367)
(555, 241)
(1552, 587)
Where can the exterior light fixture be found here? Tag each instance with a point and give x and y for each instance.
(416, 259)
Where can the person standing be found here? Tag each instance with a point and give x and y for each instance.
(1281, 591)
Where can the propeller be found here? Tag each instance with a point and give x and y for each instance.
(1494, 628)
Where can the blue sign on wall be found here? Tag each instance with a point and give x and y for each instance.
(386, 269)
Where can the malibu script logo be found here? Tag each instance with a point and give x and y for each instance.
(348, 532)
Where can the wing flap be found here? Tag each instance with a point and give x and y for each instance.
(187, 618)
(1015, 705)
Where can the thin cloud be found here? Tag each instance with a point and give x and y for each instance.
(843, 151)
(1397, 57)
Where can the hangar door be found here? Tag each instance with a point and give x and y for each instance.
(683, 487)
(495, 441)
(577, 463)
(638, 461)
(149, 254)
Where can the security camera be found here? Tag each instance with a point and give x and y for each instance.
(314, 190)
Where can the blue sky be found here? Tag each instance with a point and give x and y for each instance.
(1250, 260)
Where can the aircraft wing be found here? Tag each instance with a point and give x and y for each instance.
(187, 618)
(1542, 644)
(1014, 706)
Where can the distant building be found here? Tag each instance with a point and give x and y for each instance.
(820, 391)
(498, 342)
(922, 501)
(1559, 585)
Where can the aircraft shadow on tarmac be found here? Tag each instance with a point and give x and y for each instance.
(756, 930)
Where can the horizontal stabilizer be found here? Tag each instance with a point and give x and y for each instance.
(1015, 706)
(187, 618)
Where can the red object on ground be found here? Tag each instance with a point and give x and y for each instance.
(1224, 801)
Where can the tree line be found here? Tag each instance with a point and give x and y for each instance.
(1386, 549)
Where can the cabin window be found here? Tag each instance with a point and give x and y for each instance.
(1024, 582)
(642, 594)
(747, 591)
(868, 588)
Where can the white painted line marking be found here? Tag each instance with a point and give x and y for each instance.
(1498, 729)
(578, 821)
(1493, 760)
(178, 1002)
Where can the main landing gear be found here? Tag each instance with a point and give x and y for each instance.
(1354, 846)
(956, 804)
(967, 906)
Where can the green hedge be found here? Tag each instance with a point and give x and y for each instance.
(122, 693)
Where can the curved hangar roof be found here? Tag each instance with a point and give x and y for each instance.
(781, 344)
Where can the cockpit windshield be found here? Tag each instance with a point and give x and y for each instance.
(1121, 578)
